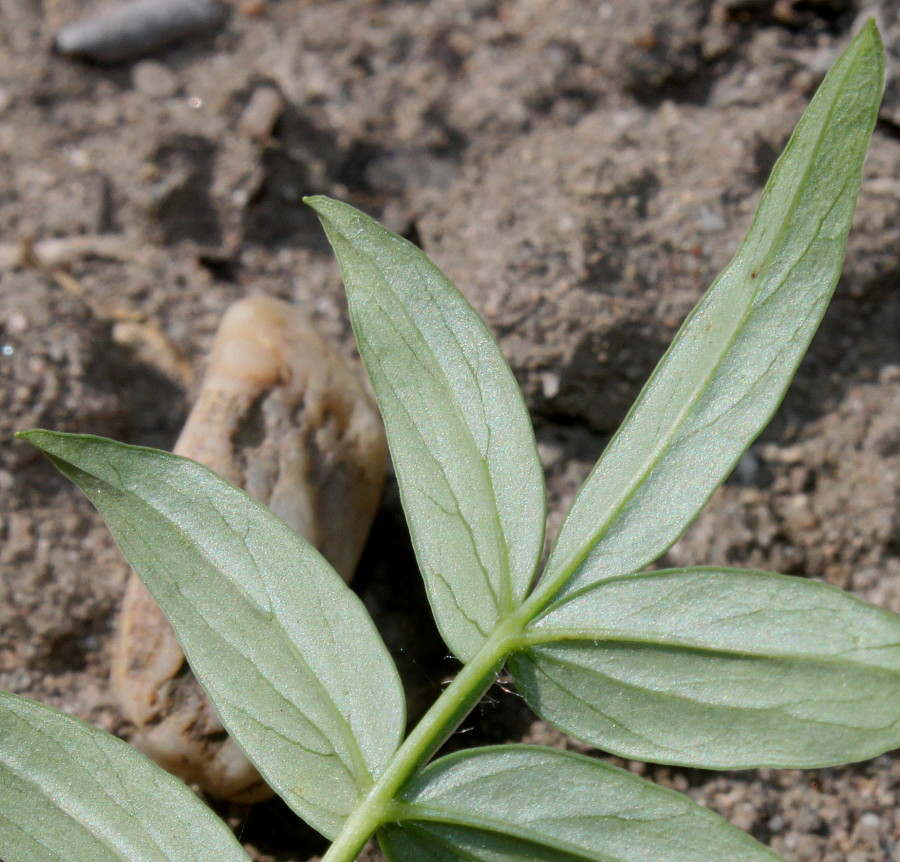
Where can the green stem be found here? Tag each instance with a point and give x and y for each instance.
(445, 715)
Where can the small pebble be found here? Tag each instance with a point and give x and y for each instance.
(253, 8)
(126, 31)
(16, 323)
(79, 159)
(773, 453)
(550, 384)
(747, 468)
(799, 514)
(710, 221)
(889, 374)
(870, 820)
(261, 114)
(751, 497)
(153, 79)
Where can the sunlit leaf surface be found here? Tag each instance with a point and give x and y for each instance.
(290, 657)
(72, 793)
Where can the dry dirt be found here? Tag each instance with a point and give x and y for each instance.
(581, 170)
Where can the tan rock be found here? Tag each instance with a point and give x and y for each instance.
(283, 416)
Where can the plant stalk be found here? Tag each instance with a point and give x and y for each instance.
(436, 726)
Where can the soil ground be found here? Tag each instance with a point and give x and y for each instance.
(580, 169)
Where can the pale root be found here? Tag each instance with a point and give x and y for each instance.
(281, 414)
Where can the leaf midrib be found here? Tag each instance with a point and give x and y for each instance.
(565, 637)
(671, 695)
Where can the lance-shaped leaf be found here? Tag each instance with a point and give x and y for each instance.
(529, 804)
(72, 793)
(718, 668)
(460, 437)
(730, 364)
(288, 654)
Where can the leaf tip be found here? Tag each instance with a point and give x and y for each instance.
(33, 436)
(333, 214)
(324, 206)
(870, 29)
(869, 42)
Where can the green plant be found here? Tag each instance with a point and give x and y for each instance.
(712, 668)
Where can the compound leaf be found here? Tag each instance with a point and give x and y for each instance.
(459, 433)
(272, 633)
(730, 364)
(718, 668)
(530, 804)
(72, 793)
